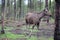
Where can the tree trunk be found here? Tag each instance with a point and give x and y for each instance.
(46, 3)
(40, 4)
(57, 21)
(46, 6)
(2, 16)
(20, 8)
(14, 9)
(30, 5)
(49, 4)
(8, 9)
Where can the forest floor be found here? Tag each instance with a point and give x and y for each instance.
(45, 32)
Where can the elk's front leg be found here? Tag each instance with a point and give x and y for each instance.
(33, 26)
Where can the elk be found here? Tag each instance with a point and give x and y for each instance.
(35, 18)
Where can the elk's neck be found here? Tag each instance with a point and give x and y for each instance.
(40, 15)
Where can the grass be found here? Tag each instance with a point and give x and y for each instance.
(32, 38)
(15, 36)
(30, 28)
(52, 20)
(10, 35)
(44, 38)
(8, 28)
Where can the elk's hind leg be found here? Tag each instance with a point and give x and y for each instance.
(33, 26)
(37, 25)
(26, 23)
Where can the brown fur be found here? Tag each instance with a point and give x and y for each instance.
(35, 18)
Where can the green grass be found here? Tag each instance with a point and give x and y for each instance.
(8, 28)
(15, 36)
(45, 38)
(10, 35)
(32, 38)
(30, 28)
(52, 20)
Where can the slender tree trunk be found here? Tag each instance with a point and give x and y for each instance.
(57, 21)
(14, 9)
(8, 9)
(49, 4)
(20, 8)
(40, 4)
(46, 3)
(30, 5)
(2, 16)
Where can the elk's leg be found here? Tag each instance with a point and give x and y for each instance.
(26, 23)
(33, 26)
(37, 25)
(48, 20)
